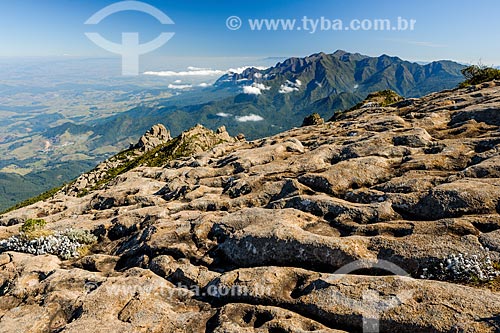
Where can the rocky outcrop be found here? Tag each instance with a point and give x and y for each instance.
(313, 119)
(157, 135)
(332, 227)
(194, 140)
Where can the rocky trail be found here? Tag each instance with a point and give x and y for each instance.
(249, 236)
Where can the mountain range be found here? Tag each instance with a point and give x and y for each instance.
(256, 102)
(259, 103)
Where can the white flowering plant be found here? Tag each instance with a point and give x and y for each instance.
(66, 244)
(463, 268)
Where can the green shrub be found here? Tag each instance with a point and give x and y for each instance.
(32, 225)
(380, 98)
(477, 74)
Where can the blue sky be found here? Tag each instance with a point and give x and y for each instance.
(445, 29)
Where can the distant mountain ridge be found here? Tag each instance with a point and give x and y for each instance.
(284, 93)
(331, 82)
(343, 72)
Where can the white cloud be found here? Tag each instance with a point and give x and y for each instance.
(251, 90)
(193, 68)
(192, 71)
(179, 86)
(416, 42)
(287, 90)
(251, 117)
(178, 81)
(204, 85)
(240, 70)
(224, 115)
(289, 87)
(427, 44)
(255, 89)
(198, 71)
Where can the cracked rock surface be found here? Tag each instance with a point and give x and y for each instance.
(248, 236)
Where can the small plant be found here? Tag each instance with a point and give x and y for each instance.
(477, 74)
(33, 229)
(464, 268)
(313, 119)
(81, 236)
(381, 98)
(67, 244)
(31, 225)
(82, 193)
(83, 251)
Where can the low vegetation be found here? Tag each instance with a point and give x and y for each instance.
(33, 229)
(156, 157)
(31, 225)
(181, 146)
(33, 239)
(313, 119)
(381, 98)
(477, 74)
(477, 270)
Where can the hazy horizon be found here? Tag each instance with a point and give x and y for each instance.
(442, 30)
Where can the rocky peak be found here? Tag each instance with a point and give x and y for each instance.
(313, 119)
(157, 135)
(200, 138)
(348, 56)
(155, 146)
